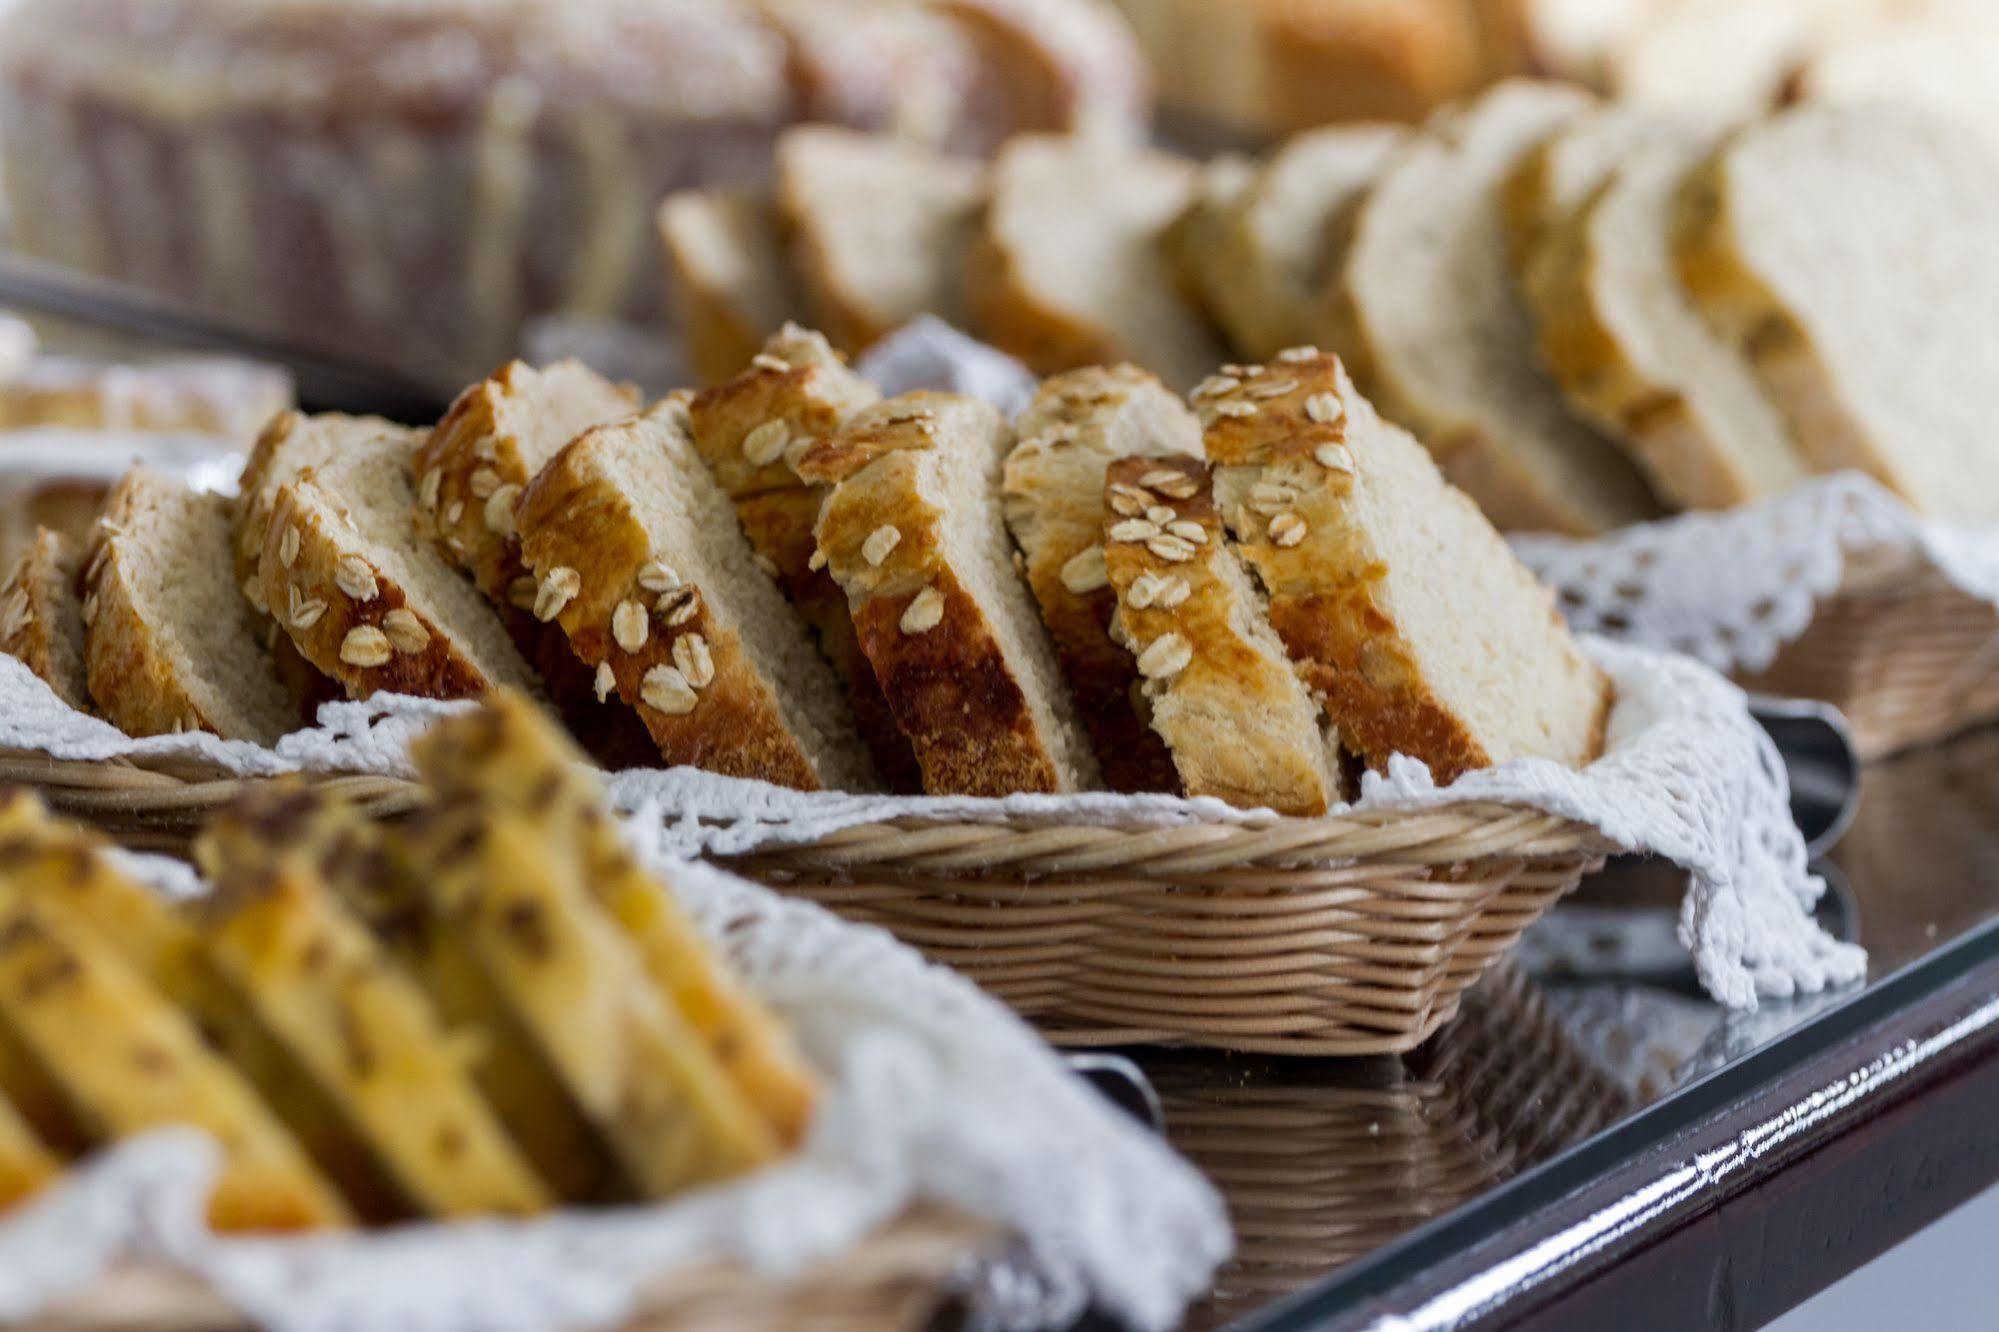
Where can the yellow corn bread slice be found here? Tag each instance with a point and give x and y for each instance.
(26, 1166)
(509, 757)
(127, 1061)
(61, 868)
(370, 872)
(364, 1030)
(631, 1060)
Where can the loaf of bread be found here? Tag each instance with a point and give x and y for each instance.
(1407, 613)
(41, 618)
(169, 643)
(1219, 690)
(1054, 500)
(727, 277)
(1782, 245)
(1070, 267)
(749, 431)
(1428, 312)
(210, 395)
(878, 230)
(914, 534)
(636, 553)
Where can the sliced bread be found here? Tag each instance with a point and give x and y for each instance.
(365, 597)
(1428, 311)
(727, 281)
(749, 431)
(169, 643)
(1553, 181)
(1934, 54)
(1407, 613)
(1846, 250)
(206, 395)
(26, 1166)
(914, 534)
(1054, 500)
(1196, 237)
(878, 229)
(1727, 58)
(1618, 330)
(636, 552)
(41, 618)
(1279, 243)
(1068, 66)
(1218, 688)
(1070, 268)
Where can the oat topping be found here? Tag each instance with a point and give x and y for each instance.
(1335, 458)
(765, 445)
(558, 587)
(1188, 530)
(1271, 500)
(1160, 514)
(606, 682)
(454, 514)
(484, 482)
(1086, 572)
(500, 510)
(1214, 386)
(353, 576)
(366, 646)
(1177, 485)
(1287, 529)
(925, 612)
(817, 560)
(1166, 657)
(1325, 408)
(630, 626)
(406, 632)
(696, 664)
(775, 364)
(288, 545)
(1298, 355)
(666, 690)
(427, 488)
(880, 544)
(1272, 388)
(1172, 549)
(658, 577)
(521, 592)
(1235, 407)
(302, 611)
(1134, 530)
(1126, 501)
(678, 606)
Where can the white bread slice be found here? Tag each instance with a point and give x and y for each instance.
(878, 229)
(637, 554)
(1279, 243)
(1726, 58)
(1938, 55)
(1194, 241)
(41, 617)
(1578, 39)
(1066, 66)
(169, 643)
(1240, 723)
(1847, 251)
(1554, 181)
(1070, 268)
(1053, 497)
(914, 534)
(1409, 616)
(1620, 333)
(1429, 315)
(365, 597)
(727, 281)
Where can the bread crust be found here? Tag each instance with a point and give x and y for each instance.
(41, 617)
(947, 678)
(26, 1166)
(725, 317)
(1237, 717)
(1065, 66)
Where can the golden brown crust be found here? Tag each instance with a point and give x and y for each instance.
(41, 617)
(576, 525)
(26, 1166)
(1007, 311)
(1236, 716)
(945, 675)
(1334, 62)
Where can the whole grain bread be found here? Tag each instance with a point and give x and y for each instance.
(877, 229)
(749, 431)
(1886, 367)
(1430, 318)
(169, 643)
(1054, 500)
(636, 553)
(1071, 268)
(1218, 688)
(914, 534)
(1403, 607)
(41, 617)
(729, 285)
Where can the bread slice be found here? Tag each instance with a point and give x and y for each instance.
(636, 553)
(1730, 59)
(1577, 40)
(1554, 181)
(1233, 711)
(205, 395)
(629, 1058)
(1280, 243)
(1428, 311)
(1619, 332)
(1066, 66)
(878, 228)
(914, 534)
(41, 617)
(1070, 268)
(169, 643)
(1937, 55)
(365, 597)
(1053, 490)
(1407, 613)
(26, 1166)
(1196, 237)
(364, 1031)
(124, 1061)
(728, 284)
(507, 758)
(1886, 367)
(748, 431)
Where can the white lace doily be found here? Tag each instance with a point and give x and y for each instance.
(934, 1092)
(1734, 589)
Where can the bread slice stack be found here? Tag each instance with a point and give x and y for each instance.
(914, 534)
(1055, 503)
(41, 617)
(1845, 251)
(1429, 313)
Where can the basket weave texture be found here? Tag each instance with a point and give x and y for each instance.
(1349, 935)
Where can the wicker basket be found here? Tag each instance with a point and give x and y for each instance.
(1340, 936)
(1909, 661)
(903, 1278)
